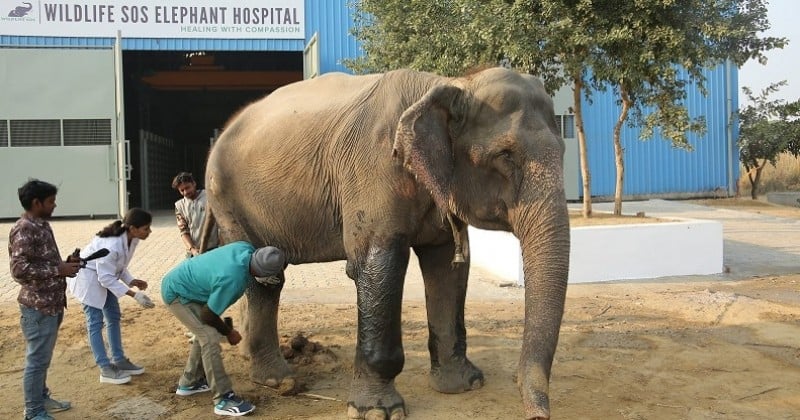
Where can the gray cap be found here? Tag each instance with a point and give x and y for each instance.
(267, 261)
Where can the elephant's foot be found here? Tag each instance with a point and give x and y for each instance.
(456, 377)
(381, 402)
(277, 375)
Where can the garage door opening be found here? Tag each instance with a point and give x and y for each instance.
(177, 102)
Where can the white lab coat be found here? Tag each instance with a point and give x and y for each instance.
(109, 273)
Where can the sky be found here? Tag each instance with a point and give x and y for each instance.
(782, 64)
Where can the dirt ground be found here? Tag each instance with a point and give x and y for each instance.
(693, 349)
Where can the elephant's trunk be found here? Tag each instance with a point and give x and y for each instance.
(542, 225)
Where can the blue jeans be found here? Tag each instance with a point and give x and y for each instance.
(40, 333)
(94, 326)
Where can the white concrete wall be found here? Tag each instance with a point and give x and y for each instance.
(496, 252)
(647, 250)
(614, 252)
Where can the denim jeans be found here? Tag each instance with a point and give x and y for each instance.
(205, 357)
(41, 332)
(94, 326)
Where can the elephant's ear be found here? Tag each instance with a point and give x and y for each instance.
(422, 141)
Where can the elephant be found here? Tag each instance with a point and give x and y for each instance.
(365, 168)
(20, 11)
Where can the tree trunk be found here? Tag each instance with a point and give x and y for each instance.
(754, 180)
(577, 88)
(754, 183)
(619, 152)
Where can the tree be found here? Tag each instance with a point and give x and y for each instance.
(453, 36)
(448, 37)
(652, 51)
(767, 128)
(566, 44)
(636, 48)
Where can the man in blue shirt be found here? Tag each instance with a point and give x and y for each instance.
(197, 292)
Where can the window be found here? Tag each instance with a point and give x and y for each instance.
(32, 133)
(87, 132)
(3, 133)
(26, 133)
(566, 123)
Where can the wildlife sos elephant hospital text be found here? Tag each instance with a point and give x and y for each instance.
(151, 18)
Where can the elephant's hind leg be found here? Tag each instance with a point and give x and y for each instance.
(445, 293)
(268, 367)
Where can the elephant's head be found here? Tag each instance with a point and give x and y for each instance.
(20, 11)
(488, 149)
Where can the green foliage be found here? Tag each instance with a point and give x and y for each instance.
(767, 128)
(447, 37)
(646, 42)
(635, 47)
(791, 111)
(631, 46)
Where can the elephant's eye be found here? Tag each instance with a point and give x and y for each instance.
(505, 163)
(506, 156)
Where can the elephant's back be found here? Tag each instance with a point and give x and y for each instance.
(322, 94)
(313, 120)
(285, 164)
(294, 116)
(271, 167)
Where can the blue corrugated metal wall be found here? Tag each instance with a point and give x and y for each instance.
(332, 19)
(654, 167)
(158, 44)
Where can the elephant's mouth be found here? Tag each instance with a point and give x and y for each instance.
(492, 218)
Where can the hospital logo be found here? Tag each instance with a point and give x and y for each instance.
(20, 11)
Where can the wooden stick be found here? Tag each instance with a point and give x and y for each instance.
(317, 396)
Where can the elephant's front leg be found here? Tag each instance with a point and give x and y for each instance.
(379, 350)
(267, 365)
(445, 293)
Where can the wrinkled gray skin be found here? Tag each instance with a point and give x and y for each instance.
(366, 168)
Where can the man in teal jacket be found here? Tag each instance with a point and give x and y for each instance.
(197, 292)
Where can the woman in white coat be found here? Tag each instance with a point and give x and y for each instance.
(100, 284)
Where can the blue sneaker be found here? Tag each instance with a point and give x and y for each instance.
(198, 387)
(232, 405)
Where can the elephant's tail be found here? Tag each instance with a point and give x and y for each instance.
(208, 226)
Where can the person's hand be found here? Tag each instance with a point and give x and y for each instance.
(143, 300)
(139, 284)
(194, 251)
(75, 256)
(68, 269)
(234, 337)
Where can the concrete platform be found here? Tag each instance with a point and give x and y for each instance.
(616, 252)
(786, 198)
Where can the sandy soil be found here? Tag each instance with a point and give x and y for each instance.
(687, 350)
(694, 349)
